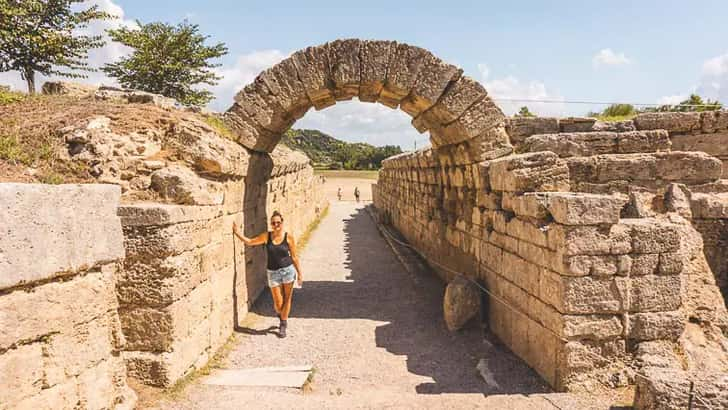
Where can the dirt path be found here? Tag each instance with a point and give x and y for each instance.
(375, 338)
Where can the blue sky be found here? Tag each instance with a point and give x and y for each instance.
(632, 51)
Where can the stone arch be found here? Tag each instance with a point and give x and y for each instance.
(454, 108)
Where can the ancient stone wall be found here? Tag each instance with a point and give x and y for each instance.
(186, 282)
(616, 158)
(61, 339)
(582, 236)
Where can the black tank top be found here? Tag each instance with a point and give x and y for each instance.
(279, 256)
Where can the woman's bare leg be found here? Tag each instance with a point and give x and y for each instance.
(287, 299)
(277, 294)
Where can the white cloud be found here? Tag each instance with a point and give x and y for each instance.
(714, 79)
(97, 57)
(672, 99)
(508, 88)
(243, 72)
(606, 56)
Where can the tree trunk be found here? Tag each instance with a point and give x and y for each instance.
(30, 79)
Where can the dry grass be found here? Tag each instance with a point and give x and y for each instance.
(303, 241)
(348, 174)
(29, 136)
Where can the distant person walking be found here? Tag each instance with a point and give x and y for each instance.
(338, 193)
(283, 267)
(356, 193)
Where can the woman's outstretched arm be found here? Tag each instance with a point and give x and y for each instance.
(294, 256)
(258, 240)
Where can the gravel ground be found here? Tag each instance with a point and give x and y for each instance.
(375, 339)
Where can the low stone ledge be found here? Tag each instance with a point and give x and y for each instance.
(162, 214)
(54, 230)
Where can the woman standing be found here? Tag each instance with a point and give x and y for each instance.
(283, 267)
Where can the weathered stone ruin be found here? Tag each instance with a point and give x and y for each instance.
(602, 245)
(589, 239)
(61, 339)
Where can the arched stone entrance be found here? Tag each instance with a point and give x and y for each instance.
(454, 108)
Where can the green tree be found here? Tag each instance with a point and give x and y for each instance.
(525, 112)
(168, 60)
(43, 36)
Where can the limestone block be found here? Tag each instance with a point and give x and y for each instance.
(709, 206)
(656, 326)
(591, 265)
(144, 214)
(529, 204)
(460, 95)
(257, 106)
(583, 169)
(520, 128)
(673, 122)
(281, 84)
(404, 66)
(614, 126)
(62, 304)
(71, 353)
(589, 240)
(60, 396)
(652, 293)
(576, 124)
(541, 171)
(593, 327)
(584, 295)
(659, 388)
(628, 167)
(21, 372)
(313, 71)
(149, 282)
(573, 144)
(712, 144)
(671, 263)
(184, 187)
(714, 121)
(375, 57)
(476, 120)
(157, 242)
(461, 303)
(432, 79)
(676, 200)
(651, 235)
(208, 152)
(248, 133)
(688, 167)
(345, 67)
(56, 230)
(644, 264)
(569, 208)
(157, 329)
(528, 231)
(643, 141)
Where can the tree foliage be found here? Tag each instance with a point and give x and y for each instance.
(525, 112)
(327, 151)
(44, 36)
(694, 103)
(168, 60)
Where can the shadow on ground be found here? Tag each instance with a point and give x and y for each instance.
(380, 289)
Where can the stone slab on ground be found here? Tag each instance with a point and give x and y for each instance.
(286, 376)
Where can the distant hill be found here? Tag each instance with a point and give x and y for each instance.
(329, 152)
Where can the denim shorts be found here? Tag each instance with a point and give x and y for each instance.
(280, 276)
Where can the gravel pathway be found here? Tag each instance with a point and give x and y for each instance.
(375, 338)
